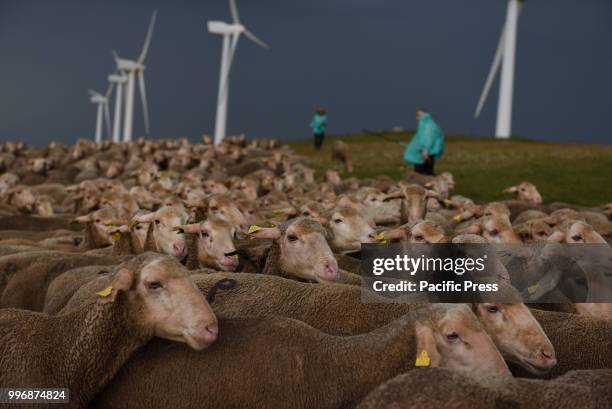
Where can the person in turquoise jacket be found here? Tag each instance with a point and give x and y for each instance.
(318, 126)
(427, 145)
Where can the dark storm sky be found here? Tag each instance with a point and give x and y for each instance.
(370, 62)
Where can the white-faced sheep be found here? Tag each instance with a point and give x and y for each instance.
(83, 350)
(292, 365)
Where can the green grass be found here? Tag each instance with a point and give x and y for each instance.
(573, 173)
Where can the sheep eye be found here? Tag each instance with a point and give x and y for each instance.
(492, 309)
(157, 221)
(292, 237)
(452, 337)
(576, 238)
(97, 220)
(373, 199)
(154, 285)
(138, 227)
(418, 238)
(494, 232)
(338, 221)
(541, 233)
(214, 208)
(306, 213)
(205, 234)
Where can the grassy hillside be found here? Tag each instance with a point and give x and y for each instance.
(580, 174)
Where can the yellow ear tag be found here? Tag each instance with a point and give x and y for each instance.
(533, 288)
(106, 292)
(236, 256)
(380, 237)
(253, 228)
(447, 202)
(457, 217)
(278, 211)
(107, 222)
(116, 236)
(422, 359)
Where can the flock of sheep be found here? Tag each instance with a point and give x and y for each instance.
(165, 274)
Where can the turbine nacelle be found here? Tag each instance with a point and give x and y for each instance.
(129, 65)
(222, 28)
(98, 99)
(117, 79)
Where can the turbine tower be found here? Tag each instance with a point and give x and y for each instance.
(118, 80)
(133, 69)
(102, 110)
(231, 34)
(504, 57)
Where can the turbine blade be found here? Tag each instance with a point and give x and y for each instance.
(143, 99)
(109, 90)
(234, 11)
(254, 39)
(492, 73)
(494, 68)
(115, 55)
(147, 43)
(92, 92)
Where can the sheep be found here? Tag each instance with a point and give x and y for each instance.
(513, 329)
(212, 245)
(300, 251)
(161, 236)
(98, 228)
(572, 231)
(580, 342)
(83, 350)
(414, 201)
(348, 229)
(342, 153)
(525, 192)
(292, 365)
(432, 388)
(495, 229)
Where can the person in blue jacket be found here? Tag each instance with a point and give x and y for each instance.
(318, 126)
(427, 145)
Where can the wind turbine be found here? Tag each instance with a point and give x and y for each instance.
(102, 102)
(231, 34)
(504, 57)
(118, 80)
(135, 69)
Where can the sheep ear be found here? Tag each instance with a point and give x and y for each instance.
(556, 237)
(145, 218)
(511, 189)
(425, 341)
(473, 229)
(398, 233)
(432, 194)
(267, 233)
(122, 282)
(83, 219)
(189, 228)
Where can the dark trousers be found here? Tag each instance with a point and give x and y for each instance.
(425, 168)
(318, 140)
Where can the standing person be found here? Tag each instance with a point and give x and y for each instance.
(427, 145)
(318, 126)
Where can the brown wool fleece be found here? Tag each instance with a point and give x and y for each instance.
(25, 277)
(433, 388)
(309, 369)
(81, 351)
